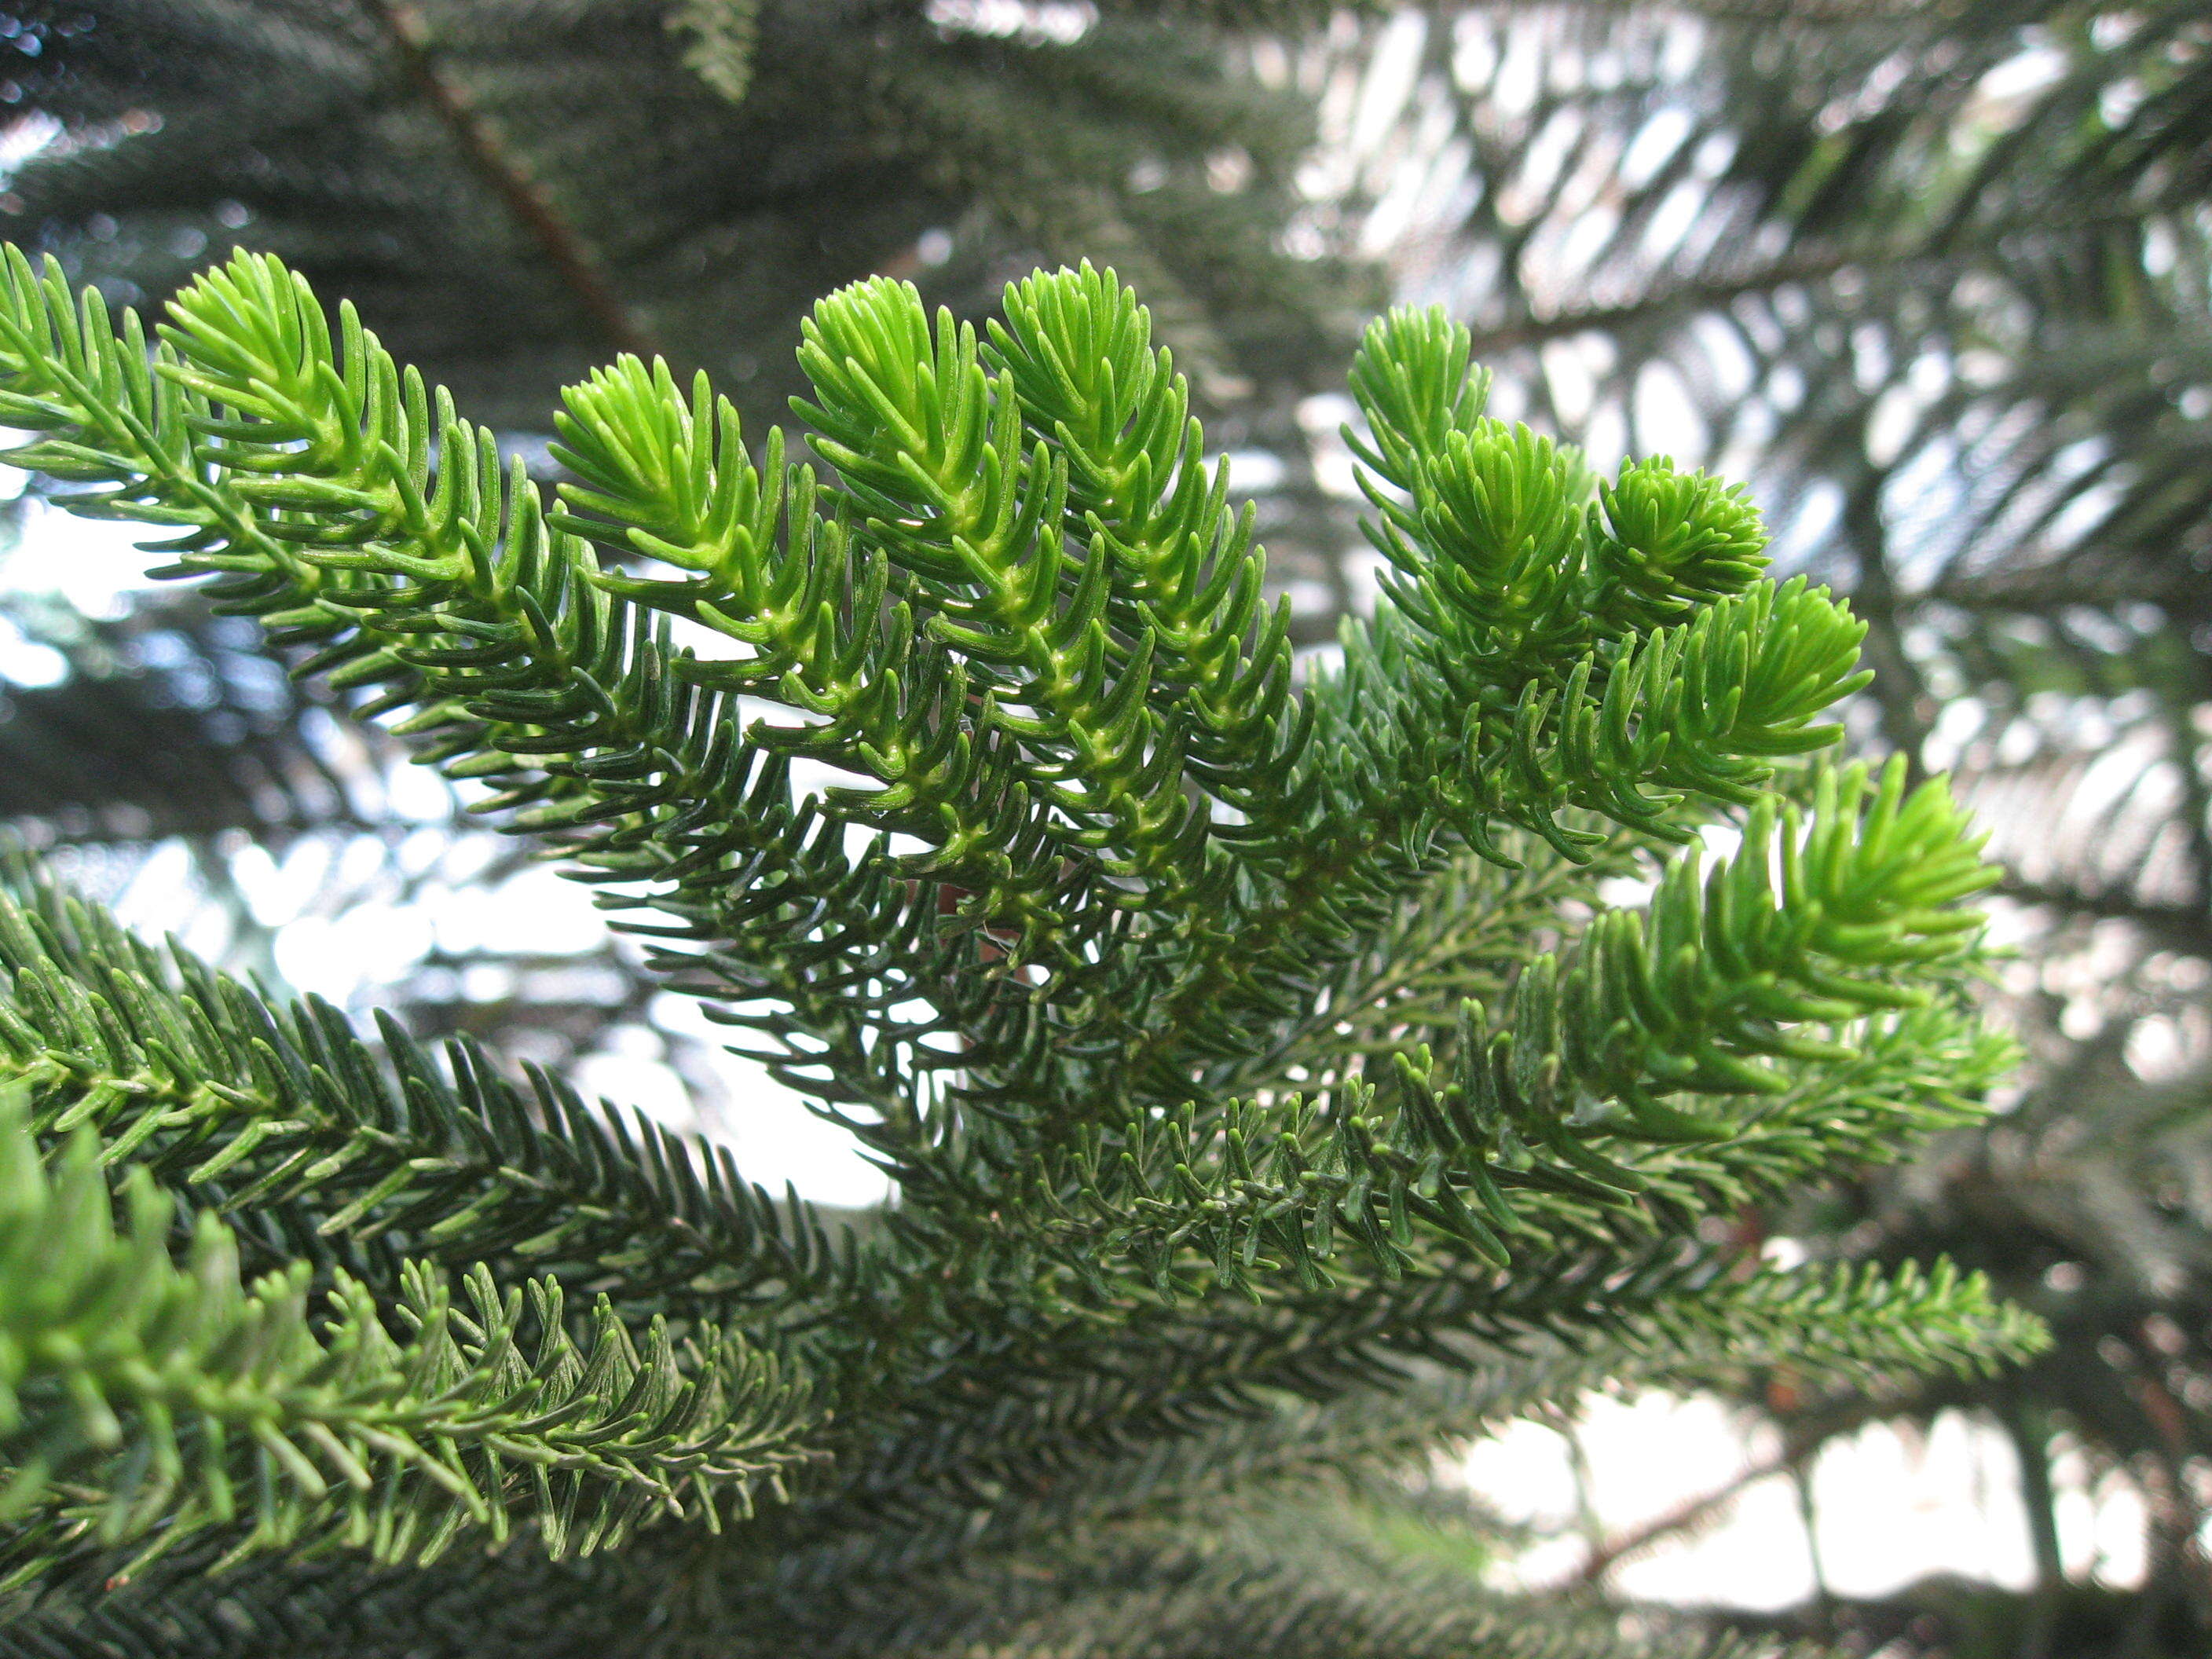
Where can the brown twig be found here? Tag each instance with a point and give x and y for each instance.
(1683, 1517)
(509, 178)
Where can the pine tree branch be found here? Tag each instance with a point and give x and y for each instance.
(1140, 859)
(510, 1602)
(143, 1402)
(1598, 1258)
(185, 1073)
(1716, 980)
(567, 700)
(1870, 1331)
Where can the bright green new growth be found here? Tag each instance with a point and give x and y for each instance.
(1236, 1036)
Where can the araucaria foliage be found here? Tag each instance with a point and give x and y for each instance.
(1283, 1069)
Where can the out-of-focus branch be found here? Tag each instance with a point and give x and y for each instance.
(509, 177)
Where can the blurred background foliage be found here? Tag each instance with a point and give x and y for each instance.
(1934, 278)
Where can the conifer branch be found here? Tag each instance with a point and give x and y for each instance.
(1231, 1035)
(145, 1401)
(725, 34)
(186, 1074)
(565, 699)
(1864, 1329)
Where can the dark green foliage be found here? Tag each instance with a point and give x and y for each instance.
(514, 189)
(193, 1075)
(1271, 1089)
(148, 1398)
